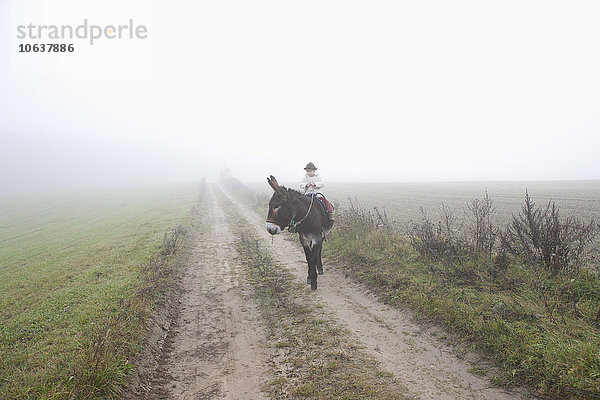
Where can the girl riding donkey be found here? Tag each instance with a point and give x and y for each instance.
(311, 183)
(291, 209)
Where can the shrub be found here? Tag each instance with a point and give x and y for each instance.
(437, 242)
(447, 242)
(539, 235)
(482, 231)
(354, 219)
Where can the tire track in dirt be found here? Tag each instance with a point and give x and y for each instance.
(213, 349)
(414, 353)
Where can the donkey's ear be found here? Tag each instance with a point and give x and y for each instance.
(274, 181)
(275, 185)
(271, 183)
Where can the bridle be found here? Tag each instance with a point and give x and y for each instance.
(293, 227)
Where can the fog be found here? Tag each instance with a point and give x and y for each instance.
(368, 91)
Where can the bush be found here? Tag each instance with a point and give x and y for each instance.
(539, 235)
(354, 219)
(445, 241)
(482, 231)
(437, 242)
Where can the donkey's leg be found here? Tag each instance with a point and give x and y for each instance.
(308, 260)
(319, 260)
(312, 268)
(307, 246)
(310, 244)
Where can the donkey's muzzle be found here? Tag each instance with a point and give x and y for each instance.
(273, 229)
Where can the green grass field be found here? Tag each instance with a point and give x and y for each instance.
(70, 265)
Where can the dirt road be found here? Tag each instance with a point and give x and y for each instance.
(215, 347)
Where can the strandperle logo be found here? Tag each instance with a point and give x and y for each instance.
(83, 31)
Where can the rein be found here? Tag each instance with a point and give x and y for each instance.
(293, 226)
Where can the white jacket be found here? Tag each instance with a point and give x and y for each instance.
(316, 179)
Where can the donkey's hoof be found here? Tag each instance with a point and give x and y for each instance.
(313, 285)
(308, 280)
(320, 271)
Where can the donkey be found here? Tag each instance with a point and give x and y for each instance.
(291, 209)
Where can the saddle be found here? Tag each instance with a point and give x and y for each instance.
(328, 224)
(323, 202)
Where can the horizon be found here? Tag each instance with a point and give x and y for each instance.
(145, 186)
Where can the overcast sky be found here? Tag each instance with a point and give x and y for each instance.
(367, 90)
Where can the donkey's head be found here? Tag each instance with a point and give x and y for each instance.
(280, 213)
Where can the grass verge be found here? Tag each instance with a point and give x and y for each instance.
(79, 275)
